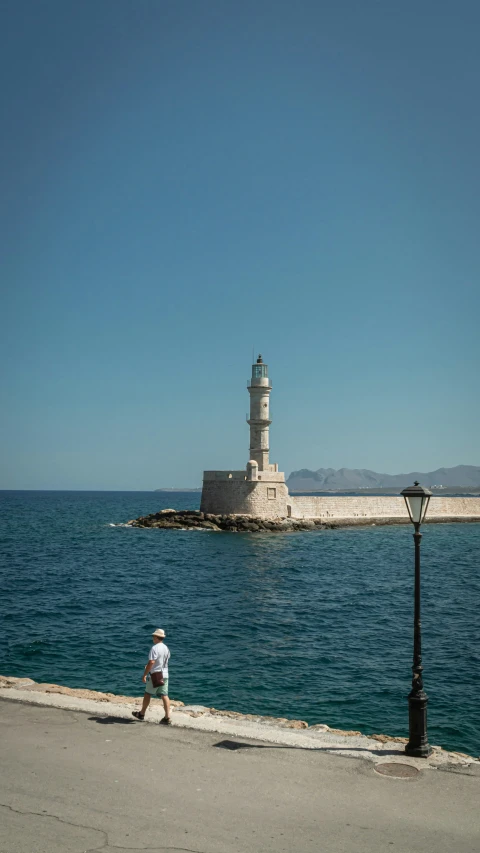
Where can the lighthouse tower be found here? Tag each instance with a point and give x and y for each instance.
(259, 389)
(258, 490)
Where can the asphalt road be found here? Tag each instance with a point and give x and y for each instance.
(72, 783)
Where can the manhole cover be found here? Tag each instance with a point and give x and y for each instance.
(400, 771)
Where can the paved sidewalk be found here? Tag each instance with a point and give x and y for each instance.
(73, 782)
(274, 730)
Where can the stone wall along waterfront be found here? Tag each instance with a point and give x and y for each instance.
(364, 507)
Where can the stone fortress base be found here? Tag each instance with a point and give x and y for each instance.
(236, 493)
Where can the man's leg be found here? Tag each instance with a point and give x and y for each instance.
(145, 703)
(166, 705)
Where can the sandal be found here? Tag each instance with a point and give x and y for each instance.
(166, 721)
(138, 716)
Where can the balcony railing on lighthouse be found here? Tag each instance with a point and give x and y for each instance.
(260, 420)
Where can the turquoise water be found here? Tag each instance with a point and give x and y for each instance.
(314, 625)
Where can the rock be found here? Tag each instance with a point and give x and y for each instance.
(191, 518)
(346, 734)
(196, 709)
(295, 724)
(284, 525)
(234, 714)
(273, 721)
(10, 681)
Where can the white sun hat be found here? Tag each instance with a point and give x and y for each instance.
(158, 633)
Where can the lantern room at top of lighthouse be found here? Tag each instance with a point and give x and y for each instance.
(260, 374)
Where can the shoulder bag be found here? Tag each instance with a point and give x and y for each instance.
(157, 677)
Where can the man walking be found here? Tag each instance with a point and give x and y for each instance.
(158, 667)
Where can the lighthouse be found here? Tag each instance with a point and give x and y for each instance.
(259, 421)
(259, 489)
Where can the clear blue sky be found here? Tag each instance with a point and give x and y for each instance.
(183, 181)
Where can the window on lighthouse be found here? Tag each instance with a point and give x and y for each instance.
(259, 371)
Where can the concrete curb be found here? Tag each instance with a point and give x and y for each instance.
(282, 732)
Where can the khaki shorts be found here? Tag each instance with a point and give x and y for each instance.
(156, 691)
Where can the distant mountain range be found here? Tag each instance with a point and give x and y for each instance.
(361, 478)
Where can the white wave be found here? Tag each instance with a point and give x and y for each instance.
(201, 529)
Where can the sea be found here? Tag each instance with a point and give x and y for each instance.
(314, 625)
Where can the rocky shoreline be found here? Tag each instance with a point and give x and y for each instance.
(171, 519)
(191, 519)
(188, 519)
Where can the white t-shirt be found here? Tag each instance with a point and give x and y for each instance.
(160, 654)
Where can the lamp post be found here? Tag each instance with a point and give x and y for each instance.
(417, 499)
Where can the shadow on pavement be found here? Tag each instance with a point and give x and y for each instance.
(107, 721)
(234, 745)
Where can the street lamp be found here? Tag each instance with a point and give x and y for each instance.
(417, 499)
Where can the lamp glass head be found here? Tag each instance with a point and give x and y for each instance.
(417, 499)
(415, 506)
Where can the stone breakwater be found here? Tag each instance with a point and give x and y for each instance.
(170, 519)
(186, 519)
